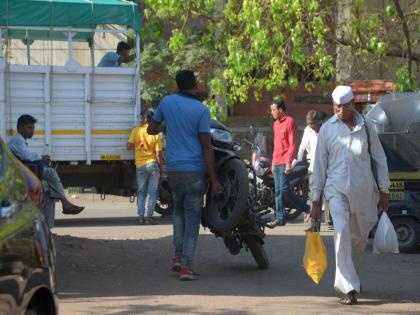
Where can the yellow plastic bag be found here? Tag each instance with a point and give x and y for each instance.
(315, 259)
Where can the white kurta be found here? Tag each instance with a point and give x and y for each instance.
(308, 144)
(342, 169)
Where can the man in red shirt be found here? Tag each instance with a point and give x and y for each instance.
(285, 144)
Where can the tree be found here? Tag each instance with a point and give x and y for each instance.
(250, 46)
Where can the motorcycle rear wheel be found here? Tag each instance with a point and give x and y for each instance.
(257, 250)
(224, 213)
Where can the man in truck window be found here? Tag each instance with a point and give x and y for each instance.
(19, 146)
(115, 59)
(148, 154)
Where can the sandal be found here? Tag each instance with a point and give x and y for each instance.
(349, 298)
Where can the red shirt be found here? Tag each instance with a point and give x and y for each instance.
(284, 140)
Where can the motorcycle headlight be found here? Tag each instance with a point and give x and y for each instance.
(221, 135)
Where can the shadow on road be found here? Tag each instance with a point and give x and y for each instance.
(108, 221)
(91, 268)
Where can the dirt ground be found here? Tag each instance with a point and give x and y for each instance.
(109, 265)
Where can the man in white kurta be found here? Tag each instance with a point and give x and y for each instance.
(308, 144)
(343, 171)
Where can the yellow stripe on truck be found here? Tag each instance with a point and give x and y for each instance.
(111, 132)
(67, 132)
(56, 132)
(404, 175)
(11, 132)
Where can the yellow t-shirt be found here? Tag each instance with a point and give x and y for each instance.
(146, 145)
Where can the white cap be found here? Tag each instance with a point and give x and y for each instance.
(342, 94)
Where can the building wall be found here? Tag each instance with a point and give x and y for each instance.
(298, 102)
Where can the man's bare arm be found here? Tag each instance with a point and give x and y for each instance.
(208, 155)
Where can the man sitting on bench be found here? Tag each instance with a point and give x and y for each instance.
(18, 145)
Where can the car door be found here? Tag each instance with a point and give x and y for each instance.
(16, 234)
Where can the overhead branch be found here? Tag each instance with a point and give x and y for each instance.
(390, 52)
(406, 33)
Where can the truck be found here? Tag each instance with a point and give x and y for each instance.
(85, 113)
(396, 118)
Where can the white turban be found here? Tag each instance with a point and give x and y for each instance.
(342, 94)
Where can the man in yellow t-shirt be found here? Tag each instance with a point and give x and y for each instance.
(148, 154)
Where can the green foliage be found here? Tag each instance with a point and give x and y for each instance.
(405, 82)
(244, 47)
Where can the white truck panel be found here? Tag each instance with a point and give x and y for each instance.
(85, 115)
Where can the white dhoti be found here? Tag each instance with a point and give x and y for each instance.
(351, 231)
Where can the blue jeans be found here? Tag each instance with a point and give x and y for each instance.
(187, 191)
(147, 185)
(282, 192)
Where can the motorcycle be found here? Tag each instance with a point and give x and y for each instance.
(298, 180)
(234, 215)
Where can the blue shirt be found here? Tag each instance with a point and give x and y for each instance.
(110, 59)
(19, 147)
(185, 117)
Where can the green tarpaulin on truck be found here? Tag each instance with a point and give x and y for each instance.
(66, 13)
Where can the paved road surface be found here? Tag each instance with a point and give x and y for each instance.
(109, 265)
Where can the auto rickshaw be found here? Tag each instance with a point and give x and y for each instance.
(396, 119)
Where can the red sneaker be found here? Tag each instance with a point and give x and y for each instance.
(187, 274)
(176, 264)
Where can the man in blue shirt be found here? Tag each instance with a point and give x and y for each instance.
(188, 156)
(114, 59)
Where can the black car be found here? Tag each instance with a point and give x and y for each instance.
(27, 255)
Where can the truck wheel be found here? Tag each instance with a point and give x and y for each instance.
(408, 233)
(257, 250)
(222, 214)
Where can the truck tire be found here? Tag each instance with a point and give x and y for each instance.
(222, 214)
(165, 210)
(408, 233)
(257, 250)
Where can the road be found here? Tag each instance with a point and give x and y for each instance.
(109, 265)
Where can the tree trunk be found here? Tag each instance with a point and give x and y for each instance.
(344, 60)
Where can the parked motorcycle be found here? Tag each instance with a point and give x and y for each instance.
(234, 215)
(298, 180)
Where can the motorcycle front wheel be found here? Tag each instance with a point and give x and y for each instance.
(223, 213)
(257, 250)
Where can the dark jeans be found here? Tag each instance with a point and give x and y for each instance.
(187, 191)
(282, 191)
